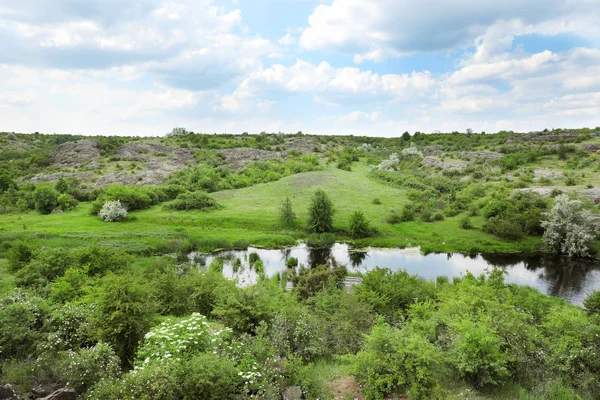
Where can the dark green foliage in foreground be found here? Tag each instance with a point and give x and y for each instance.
(320, 212)
(192, 201)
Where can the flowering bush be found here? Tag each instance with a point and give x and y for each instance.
(568, 229)
(412, 151)
(182, 339)
(390, 164)
(113, 211)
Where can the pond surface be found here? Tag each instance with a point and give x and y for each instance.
(573, 280)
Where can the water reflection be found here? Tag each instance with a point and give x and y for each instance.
(570, 279)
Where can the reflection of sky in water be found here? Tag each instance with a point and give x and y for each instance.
(548, 278)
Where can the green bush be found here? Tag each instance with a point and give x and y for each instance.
(359, 226)
(86, 367)
(465, 223)
(192, 201)
(45, 197)
(286, 213)
(592, 303)
(395, 362)
(66, 202)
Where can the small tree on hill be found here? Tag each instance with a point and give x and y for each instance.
(320, 213)
(286, 213)
(568, 229)
(359, 226)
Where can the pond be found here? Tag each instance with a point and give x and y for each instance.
(573, 280)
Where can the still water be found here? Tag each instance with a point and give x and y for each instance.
(572, 280)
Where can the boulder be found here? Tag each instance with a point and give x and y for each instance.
(292, 393)
(7, 393)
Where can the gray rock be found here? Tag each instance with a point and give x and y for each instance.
(77, 153)
(292, 393)
(62, 394)
(481, 155)
(238, 158)
(433, 162)
(7, 393)
(593, 194)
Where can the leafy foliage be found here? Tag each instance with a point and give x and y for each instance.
(320, 212)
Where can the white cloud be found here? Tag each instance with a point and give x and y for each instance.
(374, 30)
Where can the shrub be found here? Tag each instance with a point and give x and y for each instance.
(19, 255)
(504, 229)
(130, 197)
(192, 201)
(125, 314)
(397, 361)
(286, 213)
(393, 217)
(592, 303)
(438, 216)
(45, 197)
(359, 226)
(465, 223)
(89, 366)
(113, 211)
(320, 212)
(568, 228)
(66, 202)
(376, 201)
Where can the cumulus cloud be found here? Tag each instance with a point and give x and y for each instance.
(330, 85)
(374, 30)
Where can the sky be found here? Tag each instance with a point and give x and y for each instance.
(377, 67)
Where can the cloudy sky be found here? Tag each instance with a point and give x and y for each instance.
(377, 67)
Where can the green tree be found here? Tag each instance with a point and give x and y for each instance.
(66, 202)
(320, 213)
(286, 213)
(125, 314)
(45, 198)
(359, 226)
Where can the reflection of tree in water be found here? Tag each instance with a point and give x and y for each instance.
(319, 255)
(565, 275)
(357, 257)
(286, 253)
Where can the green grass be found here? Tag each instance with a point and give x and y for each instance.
(251, 214)
(6, 279)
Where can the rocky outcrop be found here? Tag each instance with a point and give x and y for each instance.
(80, 176)
(481, 155)
(76, 153)
(433, 162)
(592, 194)
(238, 158)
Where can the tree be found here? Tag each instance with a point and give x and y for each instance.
(286, 213)
(568, 229)
(406, 136)
(320, 213)
(45, 198)
(359, 226)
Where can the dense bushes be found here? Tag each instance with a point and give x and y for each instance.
(192, 201)
(45, 198)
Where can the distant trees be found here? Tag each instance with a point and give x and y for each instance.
(286, 213)
(320, 213)
(178, 132)
(568, 228)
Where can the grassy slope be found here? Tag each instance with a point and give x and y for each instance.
(252, 214)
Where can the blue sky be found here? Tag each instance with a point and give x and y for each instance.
(380, 67)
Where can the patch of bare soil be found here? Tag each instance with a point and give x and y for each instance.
(347, 388)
